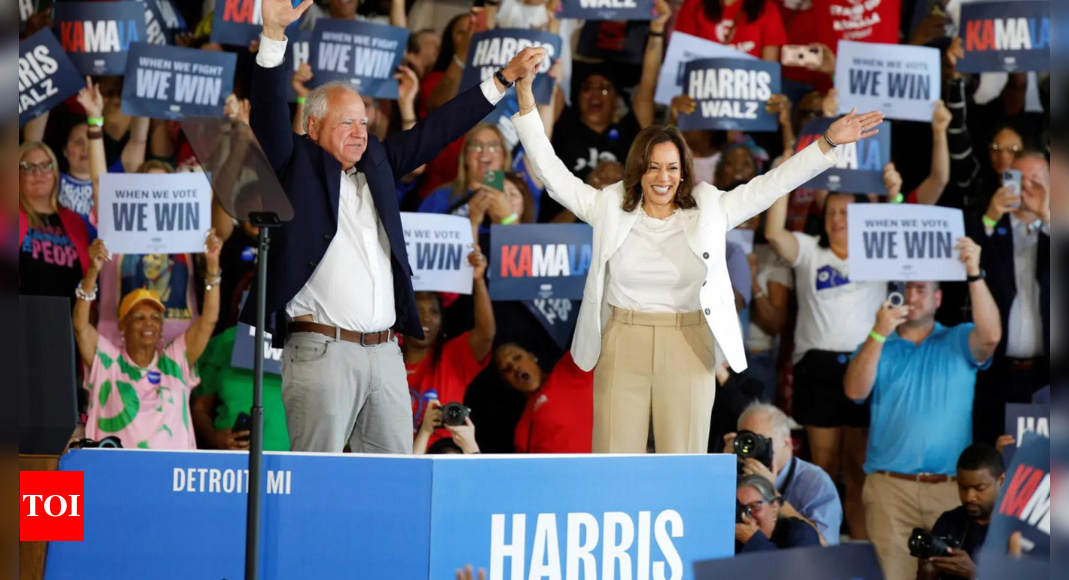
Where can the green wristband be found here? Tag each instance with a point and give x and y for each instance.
(301, 100)
(877, 337)
(990, 223)
(95, 121)
(510, 220)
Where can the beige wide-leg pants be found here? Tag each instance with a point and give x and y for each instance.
(658, 367)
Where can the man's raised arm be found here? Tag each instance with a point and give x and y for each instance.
(269, 116)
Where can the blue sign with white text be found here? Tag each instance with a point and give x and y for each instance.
(860, 167)
(854, 562)
(1024, 504)
(493, 49)
(593, 10)
(1021, 419)
(239, 22)
(335, 517)
(300, 52)
(557, 316)
(168, 82)
(1005, 36)
(97, 36)
(730, 94)
(365, 54)
(47, 77)
(530, 262)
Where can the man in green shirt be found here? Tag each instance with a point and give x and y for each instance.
(225, 393)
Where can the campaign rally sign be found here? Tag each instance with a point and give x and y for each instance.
(300, 52)
(1024, 503)
(539, 261)
(365, 54)
(244, 354)
(860, 167)
(1021, 419)
(682, 49)
(164, 12)
(438, 249)
(905, 243)
(618, 41)
(168, 82)
(156, 30)
(97, 36)
(1005, 36)
(47, 77)
(904, 82)
(856, 562)
(493, 49)
(155, 214)
(239, 22)
(557, 316)
(592, 10)
(517, 517)
(731, 94)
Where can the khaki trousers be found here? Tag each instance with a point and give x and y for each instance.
(658, 367)
(893, 508)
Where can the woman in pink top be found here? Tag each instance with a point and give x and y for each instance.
(139, 390)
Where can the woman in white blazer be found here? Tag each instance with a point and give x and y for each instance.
(658, 309)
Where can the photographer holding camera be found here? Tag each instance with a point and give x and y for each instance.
(761, 524)
(765, 448)
(454, 418)
(950, 550)
(921, 377)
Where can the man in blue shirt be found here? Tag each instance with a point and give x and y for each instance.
(807, 492)
(921, 377)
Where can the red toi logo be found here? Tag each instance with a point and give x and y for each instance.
(52, 506)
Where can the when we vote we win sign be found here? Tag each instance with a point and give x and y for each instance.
(905, 242)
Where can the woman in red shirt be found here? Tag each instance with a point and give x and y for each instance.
(559, 417)
(751, 26)
(448, 367)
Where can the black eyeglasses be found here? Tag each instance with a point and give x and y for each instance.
(28, 167)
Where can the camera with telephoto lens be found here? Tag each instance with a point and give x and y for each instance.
(925, 545)
(455, 414)
(750, 445)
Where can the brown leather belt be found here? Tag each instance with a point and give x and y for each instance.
(919, 478)
(368, 339)
(1023, 364)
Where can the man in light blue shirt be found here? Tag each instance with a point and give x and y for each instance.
(808, 493)
(922, 380)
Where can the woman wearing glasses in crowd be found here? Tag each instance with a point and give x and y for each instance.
(658, 308)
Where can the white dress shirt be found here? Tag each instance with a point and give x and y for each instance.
(655, 270)
(352, 288)
(1025, 333)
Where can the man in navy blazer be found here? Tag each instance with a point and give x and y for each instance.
(339, 284)
(1015, 236)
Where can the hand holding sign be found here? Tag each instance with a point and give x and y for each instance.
(213, 248)
(892, 179)
(663, 11)
(853, 127)
(970, 255)
(300, 80)
(278, 14)
(98, 256)
(478, 261)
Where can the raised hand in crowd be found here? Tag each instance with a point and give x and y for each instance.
(781, 106)
(91, 100)
(681, 105)
(1005, 201)
(478, 262)
(278, 14)
(300, 80)
(951, 57)
(469, 574)
(969, 254)
(1004, 442)
(408, 90)
(892, 180)
(238, 109)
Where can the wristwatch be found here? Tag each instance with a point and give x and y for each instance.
(982, 276)
(500, 76)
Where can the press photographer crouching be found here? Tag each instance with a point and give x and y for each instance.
(765, 448)
(761, 526)
(950, 550)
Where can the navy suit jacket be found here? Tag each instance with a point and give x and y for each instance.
(999, 263)
(312, 180)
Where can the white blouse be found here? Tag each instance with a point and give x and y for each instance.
(655, 270)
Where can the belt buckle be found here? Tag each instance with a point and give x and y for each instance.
(363, 340)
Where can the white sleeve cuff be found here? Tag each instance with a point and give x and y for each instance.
(272, 53)
(489, 88)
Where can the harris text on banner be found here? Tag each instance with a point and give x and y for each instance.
(239, 22)
(167, 82)
(1005, 36)
(682, 49)
(155, 214)
(539, 261)
(364, 54)
(730, 94)
(860, 167)
(97, 36)
(438, 249)
(906, 242)
(904, 82)
(1021, 419)
(493, 49)
(47, 77)
(594, 10)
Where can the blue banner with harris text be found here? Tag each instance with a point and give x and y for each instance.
(860, 167)
(493, 49)
(47, 77)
